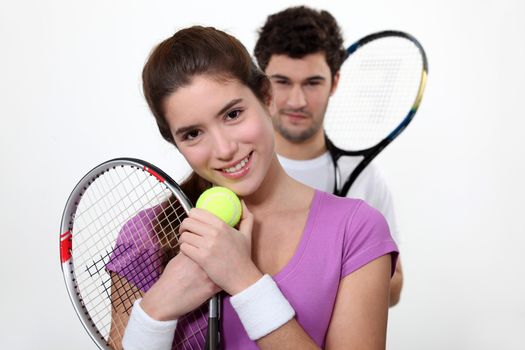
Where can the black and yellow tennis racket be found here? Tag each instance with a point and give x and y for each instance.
(380, 89)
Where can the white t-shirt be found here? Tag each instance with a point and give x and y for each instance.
(369, 185)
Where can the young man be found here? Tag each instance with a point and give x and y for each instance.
(301, 50)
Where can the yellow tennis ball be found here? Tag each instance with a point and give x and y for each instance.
(223, 203)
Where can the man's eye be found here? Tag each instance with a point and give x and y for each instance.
(281, 82)
(313, 83)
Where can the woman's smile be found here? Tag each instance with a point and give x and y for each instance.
(238, 169)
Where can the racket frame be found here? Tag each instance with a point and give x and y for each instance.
(370, 153)
(66, 239)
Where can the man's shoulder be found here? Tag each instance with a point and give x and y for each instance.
(305, 164)
(370, 185)
(371, 172)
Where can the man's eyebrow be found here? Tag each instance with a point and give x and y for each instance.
(312, 78)
(315, 77)
(279, 76)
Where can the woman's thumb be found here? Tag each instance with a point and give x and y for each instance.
(246, 223)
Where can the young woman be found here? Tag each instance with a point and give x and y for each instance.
(303, 269)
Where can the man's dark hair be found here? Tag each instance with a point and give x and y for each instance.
(300, 31)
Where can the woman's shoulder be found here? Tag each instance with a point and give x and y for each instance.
(363, 230)
(355, 215)
(336, 205)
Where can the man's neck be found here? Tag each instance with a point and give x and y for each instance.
(308, 149)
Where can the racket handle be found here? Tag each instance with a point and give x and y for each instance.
(213, 335)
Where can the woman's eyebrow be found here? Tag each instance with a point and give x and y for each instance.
(223, 110)
(228, 106)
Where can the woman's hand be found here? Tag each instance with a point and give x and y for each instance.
(182, 287)
(222, 251)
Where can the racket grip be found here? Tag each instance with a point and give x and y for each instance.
(213, 335)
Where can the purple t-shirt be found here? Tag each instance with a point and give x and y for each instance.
(340, 236)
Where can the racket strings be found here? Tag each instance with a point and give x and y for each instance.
(377, 87)
(124, 210)
(171, 218)
(101, 222)
(191, 330)
(104, 218)
(126, 294)
(122, 296)
(115, 213)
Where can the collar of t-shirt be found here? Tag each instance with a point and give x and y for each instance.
(317, 172)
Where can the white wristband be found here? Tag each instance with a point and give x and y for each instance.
(262, 308)
(146, 333)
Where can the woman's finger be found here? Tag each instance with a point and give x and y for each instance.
(196, 226)
(191, 238)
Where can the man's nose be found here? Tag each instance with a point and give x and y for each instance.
(297, 98)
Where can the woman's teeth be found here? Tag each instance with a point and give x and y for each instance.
(237, 167)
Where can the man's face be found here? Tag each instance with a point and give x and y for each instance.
(301, 88)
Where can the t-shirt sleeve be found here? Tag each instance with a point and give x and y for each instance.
(367, 238)
(137, 254)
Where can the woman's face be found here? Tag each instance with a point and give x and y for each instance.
(223, 131)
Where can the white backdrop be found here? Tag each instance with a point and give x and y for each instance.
(70, 98)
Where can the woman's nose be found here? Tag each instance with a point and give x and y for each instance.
(225, 146)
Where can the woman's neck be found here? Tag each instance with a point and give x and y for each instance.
(278, 192)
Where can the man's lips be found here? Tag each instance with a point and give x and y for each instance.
(295, 117)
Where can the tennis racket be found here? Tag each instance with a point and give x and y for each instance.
(119, 228)
(380, 89)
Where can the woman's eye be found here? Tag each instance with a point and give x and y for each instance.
(190, 135)
(233, 114)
